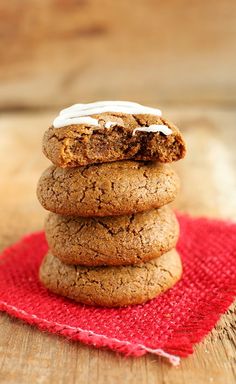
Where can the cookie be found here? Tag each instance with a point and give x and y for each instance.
(110, 131)
(111, 286)
(120, 240)
(107, 189)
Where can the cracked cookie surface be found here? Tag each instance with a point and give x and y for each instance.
(120, 240)
(78, 145)
(111, 286)
(118, 188)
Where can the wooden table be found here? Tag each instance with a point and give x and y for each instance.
(208, 188)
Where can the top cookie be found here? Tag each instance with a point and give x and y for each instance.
(109, 131)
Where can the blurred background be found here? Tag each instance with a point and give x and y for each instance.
(177, 55)
(54, 52)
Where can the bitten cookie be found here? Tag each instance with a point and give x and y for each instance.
(109, 131)
(111, 286)
(107, 189)
(120, 240)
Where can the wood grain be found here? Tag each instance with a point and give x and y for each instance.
(208, 188)
(57, 51)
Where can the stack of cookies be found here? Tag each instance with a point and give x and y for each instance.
(110, 230)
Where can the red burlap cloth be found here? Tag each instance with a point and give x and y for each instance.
(169, 325)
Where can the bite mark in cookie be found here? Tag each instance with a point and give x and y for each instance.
(110, 131)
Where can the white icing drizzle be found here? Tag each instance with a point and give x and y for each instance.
(110, 124)
(98, 107)
(155, 128)
(75, 113)
(81, 114)
(62, 122)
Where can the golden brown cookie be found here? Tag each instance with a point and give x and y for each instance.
(107, 189)
(120, 240)
(111, 286)
(129, 138)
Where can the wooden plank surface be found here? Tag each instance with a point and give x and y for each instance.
(53, 52)
(208, 188)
